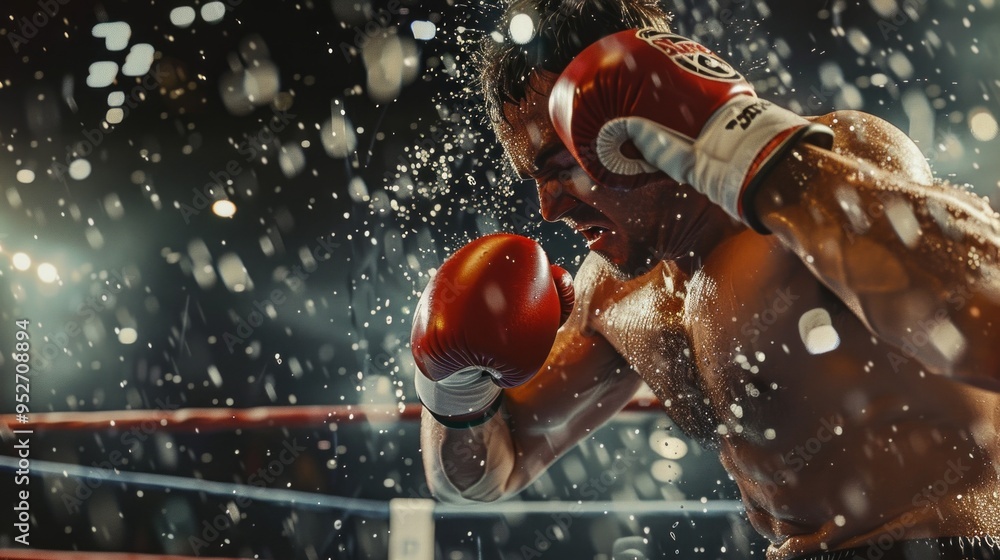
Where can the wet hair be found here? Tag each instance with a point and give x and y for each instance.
(563, 28)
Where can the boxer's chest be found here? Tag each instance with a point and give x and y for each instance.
(734, 351)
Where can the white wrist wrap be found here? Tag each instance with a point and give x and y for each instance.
(735, 139)
(465, 392)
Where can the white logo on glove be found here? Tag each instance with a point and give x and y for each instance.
(690, 56)
(747, 115)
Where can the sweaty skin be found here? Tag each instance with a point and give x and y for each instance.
(888, 434)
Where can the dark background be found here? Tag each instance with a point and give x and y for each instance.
(135, 248)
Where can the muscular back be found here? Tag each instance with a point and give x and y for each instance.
(828, 448)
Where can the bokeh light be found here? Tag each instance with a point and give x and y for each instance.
(182, 16)
(21, 261)
(127, 335)
(47, 273)
(224, 208)
(522, 28)
(983, 124)
(25, 176)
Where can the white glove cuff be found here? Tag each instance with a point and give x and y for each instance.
(731, 154)
(737, 141)
(462, 394)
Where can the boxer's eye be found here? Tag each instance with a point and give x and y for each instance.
(559, 166)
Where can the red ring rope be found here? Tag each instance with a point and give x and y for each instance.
(209, 419)
(217, 419)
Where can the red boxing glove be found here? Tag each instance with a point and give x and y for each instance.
(486, 320)
(644, 101)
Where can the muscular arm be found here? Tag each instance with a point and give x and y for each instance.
(583, 383)
(916, 261)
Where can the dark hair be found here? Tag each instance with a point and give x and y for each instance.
(563, 28)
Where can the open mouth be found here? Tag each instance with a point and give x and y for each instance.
(592, 233)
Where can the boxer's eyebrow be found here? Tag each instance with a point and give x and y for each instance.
(545, 154)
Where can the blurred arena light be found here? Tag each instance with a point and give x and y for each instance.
(224, 208)
(423, 30)
(213, 12)
(182, 16)
(337, 133)
(127, 335)
(47, 273)
(522, 28)
(21, 261)
(983, 124)
(391, 63)
(25, 176)
(116, 34)
(253, 80)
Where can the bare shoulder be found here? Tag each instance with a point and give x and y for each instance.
(591, 282)
(593, 279)
(591, 272)
(598, 283)
(624, 310)
(877, 141)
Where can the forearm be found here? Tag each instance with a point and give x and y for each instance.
(905, 257)
(576, 392)
(472, 464)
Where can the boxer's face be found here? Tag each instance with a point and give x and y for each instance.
(631, 228)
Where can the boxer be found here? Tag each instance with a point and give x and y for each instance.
(799, 293)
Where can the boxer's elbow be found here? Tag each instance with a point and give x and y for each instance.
(487, 486)
(451, 494)
(471, 466)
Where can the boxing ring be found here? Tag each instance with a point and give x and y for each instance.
(200, 517)
(217, 251)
